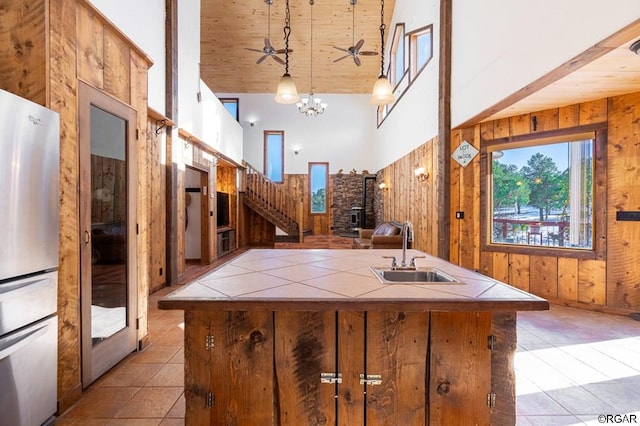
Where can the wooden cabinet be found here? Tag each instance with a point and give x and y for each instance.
(226, 241)
(347, 368)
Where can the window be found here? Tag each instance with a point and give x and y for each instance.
(421, 44)
(318, 183)
(410, 54)
(274, 155)
(541, 193)
(231, 105)
(397, 67)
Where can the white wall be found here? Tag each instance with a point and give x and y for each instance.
(143, 22)
(500, 46)
(218, 128)
(341, 136)
(414, 117)
(189, 109)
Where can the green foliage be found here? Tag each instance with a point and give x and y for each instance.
(319, 201)
(509, 187)
(549, 186)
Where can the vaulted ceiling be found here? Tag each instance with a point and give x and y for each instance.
(229, 27)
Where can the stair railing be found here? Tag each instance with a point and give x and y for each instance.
(273, 198)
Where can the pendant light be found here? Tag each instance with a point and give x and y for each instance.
(287, 92)
(311, 106)
(382, 93)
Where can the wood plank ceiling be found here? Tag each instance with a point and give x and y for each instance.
(228, 27)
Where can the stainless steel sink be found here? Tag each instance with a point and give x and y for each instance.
(413, 276)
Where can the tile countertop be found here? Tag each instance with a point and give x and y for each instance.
(327, 279)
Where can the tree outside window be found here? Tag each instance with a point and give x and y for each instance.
(318, 184)
(543, 194)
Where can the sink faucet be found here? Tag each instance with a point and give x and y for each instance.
(407, 228)
(407, 237)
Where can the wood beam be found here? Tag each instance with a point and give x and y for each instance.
(444, 130)
(173, 142)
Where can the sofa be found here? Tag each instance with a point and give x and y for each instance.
(387, 235)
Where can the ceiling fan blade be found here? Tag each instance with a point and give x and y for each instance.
(277, 59)
(341, 58)
(254, 50)
(340, 48)
(262, 58)
(267, 43)
(359, 44)
(356, 60)
(368, 53)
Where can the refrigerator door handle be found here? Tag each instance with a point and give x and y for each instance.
(11, 344)
(8, 291)
(87, 237)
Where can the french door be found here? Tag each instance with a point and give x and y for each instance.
(107, 208)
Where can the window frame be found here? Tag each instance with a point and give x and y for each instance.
(235, 101)
(265, 156)
(599, 221)
(413, 50)
(401, 86)
(326, 186)
(399, 38)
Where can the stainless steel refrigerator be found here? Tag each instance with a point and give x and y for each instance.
(29, 210)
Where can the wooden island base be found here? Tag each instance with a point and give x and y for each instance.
(311, 337)
(279, 368)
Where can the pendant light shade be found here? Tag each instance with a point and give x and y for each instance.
(287, 92)
(382, 94)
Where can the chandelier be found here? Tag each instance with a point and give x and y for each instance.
(311, 106)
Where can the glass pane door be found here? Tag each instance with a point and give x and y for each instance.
(108, 225)
(107, 201)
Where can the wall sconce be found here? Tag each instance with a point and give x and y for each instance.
(420, 174)
(296, 149)
(383, 186)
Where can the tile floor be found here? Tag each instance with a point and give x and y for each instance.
(571, 366)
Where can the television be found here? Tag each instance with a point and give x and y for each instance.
(222, 204)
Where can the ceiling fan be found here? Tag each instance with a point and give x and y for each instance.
(268, 49)
(354, 50)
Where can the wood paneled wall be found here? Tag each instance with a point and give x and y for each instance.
(45, 48)
(297, 186)
(108, 186)
(407, 198)
(226, 182)
(262, 233)
(196, 154)
(156, 149)
(610, 283)
(556, 278)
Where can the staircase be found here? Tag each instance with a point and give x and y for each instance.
(272, 202)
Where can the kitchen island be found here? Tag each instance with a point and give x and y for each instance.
(313, 337)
